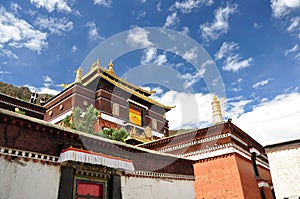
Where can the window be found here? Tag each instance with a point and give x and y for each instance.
(115, 109)
(253, 158)
(154, 123)
(135, 116)
(262, 193)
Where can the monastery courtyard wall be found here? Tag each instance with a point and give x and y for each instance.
(33, 180)
(149, 188)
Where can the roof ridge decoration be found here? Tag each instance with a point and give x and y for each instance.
(111, 68)
(111, 77)
(96, 66)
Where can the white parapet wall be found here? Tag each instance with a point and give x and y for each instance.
(285, 171)
(32, 180)
(148, 188)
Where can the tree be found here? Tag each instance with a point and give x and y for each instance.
(114, 134)
(85, 121)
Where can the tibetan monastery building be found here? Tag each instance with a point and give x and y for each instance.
(120, 103)
(39, 158)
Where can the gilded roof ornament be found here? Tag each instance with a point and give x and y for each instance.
(111, 68)
(78, 76)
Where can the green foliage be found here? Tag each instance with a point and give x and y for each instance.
(114, 134)
(85, 121)
(119, 135)
(67, 122)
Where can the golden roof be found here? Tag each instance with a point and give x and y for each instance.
(97, 71)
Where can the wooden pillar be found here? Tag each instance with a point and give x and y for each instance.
(115, 187)
(66, 183)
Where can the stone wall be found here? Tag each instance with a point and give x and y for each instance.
(285, 171)
(149, 188)
(33, 180)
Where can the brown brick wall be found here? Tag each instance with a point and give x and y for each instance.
(218, 178)
(248, 179)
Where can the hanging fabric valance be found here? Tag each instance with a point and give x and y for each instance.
(79, 155)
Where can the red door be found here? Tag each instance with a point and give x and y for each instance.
(89, 190)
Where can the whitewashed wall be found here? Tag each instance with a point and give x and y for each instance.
(136, 187)
(34, 181)
(285, 171)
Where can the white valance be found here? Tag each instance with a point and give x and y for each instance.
(79, 155)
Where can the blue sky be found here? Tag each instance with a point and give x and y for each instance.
(254, 44)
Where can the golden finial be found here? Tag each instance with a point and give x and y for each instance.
(216, 109)
(111, 68)
(78, 76)
(65, 85)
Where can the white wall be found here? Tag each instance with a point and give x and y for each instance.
(285, 172)
(137, 187)
(33, 181)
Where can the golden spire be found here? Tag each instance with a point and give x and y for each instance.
(78, 76)
(216, 110)
(111, 68)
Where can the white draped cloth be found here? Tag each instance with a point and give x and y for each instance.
(79, 155)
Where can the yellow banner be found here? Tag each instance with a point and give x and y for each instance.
(135, 117)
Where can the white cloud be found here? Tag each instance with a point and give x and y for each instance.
(295, 23)
(238, 81)
(233, 61)
(234, 64)
(191, 55)
(105, 3)
(43, 90)
(4, 72)
(185, 30)
(46, 90)
(47, 79)
(291, 50)
(140, 14)
(138, 37)
(18, 33)
(161, 59)
(273, 121)
(74, 49)
(191, 79)
(187, 6)
(158, 6)
(54, 25)
(236, 89)
(257, 26)
(51, 5)
(8, 53)
(261, 83)
(193, 110)
(236, 106)
(226, 49)
(150, 56)
(15, 7)
(281, 8)
(171, 20)
(93, 33)
(220, 23)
